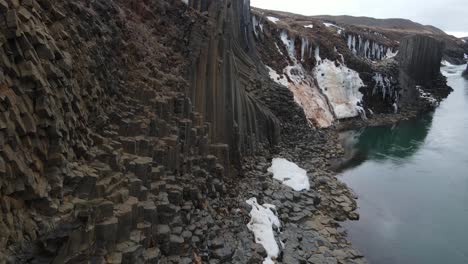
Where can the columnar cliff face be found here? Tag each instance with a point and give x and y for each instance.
(225, 68)
(419, 59)
(119, 121)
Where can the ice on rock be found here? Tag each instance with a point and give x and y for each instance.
(290, 174)
(289, 43)
(341, 86)
(279, 79)
(263, 222)
(304, 48)
(384, 85)
(301, 83)
(317, 54)
(369, 49)
(273, 19)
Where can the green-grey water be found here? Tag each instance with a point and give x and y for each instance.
(412, 184)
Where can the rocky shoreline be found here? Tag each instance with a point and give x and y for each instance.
(310, 220)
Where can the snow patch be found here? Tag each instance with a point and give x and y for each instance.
(333, 25)
(279, 79)
(309, 26)
(290, 174)
(339, 30)
(446, 63)
(273, 19)
(185, 2)
(263, 221)
(426, 96)
(341, 85)
(390, 54)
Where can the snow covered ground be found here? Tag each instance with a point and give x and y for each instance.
(262, 223)
(290, 174)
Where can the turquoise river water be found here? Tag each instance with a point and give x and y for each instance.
(412, 184)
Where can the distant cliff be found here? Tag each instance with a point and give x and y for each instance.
(419, 60)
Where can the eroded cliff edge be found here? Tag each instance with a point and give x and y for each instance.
(128, 131)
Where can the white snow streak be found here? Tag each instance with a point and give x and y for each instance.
(290, 174)
(309, 26)
(273, 19)
(263, 221)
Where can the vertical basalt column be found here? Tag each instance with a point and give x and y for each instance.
(419, 58)
(224, 67)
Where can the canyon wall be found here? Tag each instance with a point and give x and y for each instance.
(123, 124)
(119, 122)
(339, 71)
(420, 57)
(224, 69)
(419, 63)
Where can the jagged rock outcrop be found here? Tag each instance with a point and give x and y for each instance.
(465, 73)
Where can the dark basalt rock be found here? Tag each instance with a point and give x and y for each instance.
(420, 57)
(224, 69)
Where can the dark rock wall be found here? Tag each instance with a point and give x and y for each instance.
(420, 57)
(225, 68)
(116, 123)
(419, 60)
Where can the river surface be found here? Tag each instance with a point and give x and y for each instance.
(412, 184)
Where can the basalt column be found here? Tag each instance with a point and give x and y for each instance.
(419, 58)
(224, 70)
